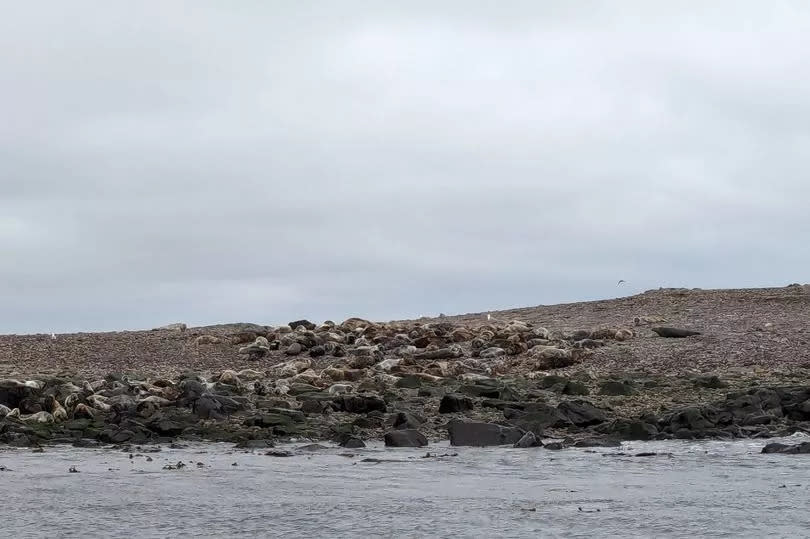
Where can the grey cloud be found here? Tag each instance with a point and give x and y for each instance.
(207, 162)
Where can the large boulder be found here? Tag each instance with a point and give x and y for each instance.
(406, 421)
(802, 448)
(629, 429)
(582, 413)
(405, 438)
(361, 404)
(528, 440)
(482, 434)
(453, 403)
(693, 418)
(12, 392)
(536, 417)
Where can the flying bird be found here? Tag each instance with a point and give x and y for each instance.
(620, 282)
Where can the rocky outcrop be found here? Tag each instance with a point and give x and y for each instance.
(482, 434)
(405, 438)
(802, 448)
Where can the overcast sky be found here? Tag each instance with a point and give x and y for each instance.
(255, 161)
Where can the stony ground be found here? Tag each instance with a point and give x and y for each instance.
(522, 363)
(744, 332)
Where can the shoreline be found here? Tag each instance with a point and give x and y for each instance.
(579, 374)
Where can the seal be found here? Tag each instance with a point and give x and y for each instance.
(674, 333)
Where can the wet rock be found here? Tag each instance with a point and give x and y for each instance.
(454, 403)
(407, 420)
(528, 440)
(536, 417)
(553, 446)
(574, 388)
(482, 434)
(582, 413)
(254, 444)
(353, 442)
(361, 404)
(268, 420)
(694, 419)
(279, 453)
(802, 448)
(405, 438)
(617, 388)
(629, 429)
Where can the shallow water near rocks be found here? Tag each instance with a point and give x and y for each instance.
(718, 489)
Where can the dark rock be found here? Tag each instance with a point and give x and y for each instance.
(802, 448)
(710, 382)
(674, 333)
(575, 389)
(313, 406)
(268, 420)
(317, 351)
(616, 388)
(191, 389)
(775, 447)
(799, 411)
(502, 405)
(528, 440)
(453, 402)
(582, 413)
(692, 418)
(482, 434)
(755, 401)
(206, 407)
(409, 382)
(407, 420)
(554, 446)
(306, 323)
(278, 453)
(405, 438)
(684, 434)
(489, 388)
(629, 429)
(361, 404)
(757, 419)
(353, 443)
(368, 421)
(12, 392)
(300, 389)
(536, 417)
(552, 380)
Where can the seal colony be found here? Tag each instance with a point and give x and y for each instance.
(581, 374)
